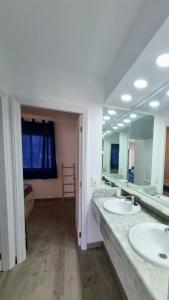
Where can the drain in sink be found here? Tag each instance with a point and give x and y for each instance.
(163, 255)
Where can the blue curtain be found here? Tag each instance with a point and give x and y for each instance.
(114, 160)
(38, 144)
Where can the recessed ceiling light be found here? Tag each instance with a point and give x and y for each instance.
(103, 122)
(140, 83)
(108, 131)
(126, 97)
(106, 118)
(120, 124)
(115, 127)
(112, 112)
(163, 60)
(154, 103)
(133, 116)
(127, 121)
(167, 93)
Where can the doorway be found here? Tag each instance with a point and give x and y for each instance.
(16, 222)
(50, 166)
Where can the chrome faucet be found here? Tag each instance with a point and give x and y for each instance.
(132, 200)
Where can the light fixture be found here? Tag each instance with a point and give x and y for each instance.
(108, 131)
(154, 103)
(163, 60)
(115, 127)
(126, 97)
(106, 118)
(120, 124)
(103, 122)
(133, 116)
(127, 121)
(167, 93)
(140, 83)
(112, 112)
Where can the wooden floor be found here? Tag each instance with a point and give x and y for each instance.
(55, 268)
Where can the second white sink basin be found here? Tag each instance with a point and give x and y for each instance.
(121, 207)
(151, 241)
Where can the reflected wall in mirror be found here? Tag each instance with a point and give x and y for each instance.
(115, 144)
(140, 150)
(166, 166)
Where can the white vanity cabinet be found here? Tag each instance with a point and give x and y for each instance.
(131, 282)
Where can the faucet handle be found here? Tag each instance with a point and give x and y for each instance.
(130, 198)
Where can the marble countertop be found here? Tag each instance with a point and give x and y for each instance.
(154, 278)
(157, 207)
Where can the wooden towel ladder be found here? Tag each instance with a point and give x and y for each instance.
(65, 180)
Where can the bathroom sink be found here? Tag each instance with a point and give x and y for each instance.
(121, 207)
(151, 241)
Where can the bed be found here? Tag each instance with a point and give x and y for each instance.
(29, 199)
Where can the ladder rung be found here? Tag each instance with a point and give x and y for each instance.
(68, 167)
(69, 192)
(71, 182)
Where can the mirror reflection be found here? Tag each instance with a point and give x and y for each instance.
(166, 166)
(136, 146)
(140, 150)
(115, 144)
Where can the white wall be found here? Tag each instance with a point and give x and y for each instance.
(158, 156)
(143, 161)
(44, 81)
(3, 71)
(3, 88)
(131, 153)
(65, 141)
(123, 153)
(148, 148)
(108, 140)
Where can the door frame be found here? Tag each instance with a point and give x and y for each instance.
(82, 209)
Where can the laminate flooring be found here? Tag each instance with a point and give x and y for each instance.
(55, 269)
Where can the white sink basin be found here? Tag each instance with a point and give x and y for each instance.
(121, 207)
(151, 242)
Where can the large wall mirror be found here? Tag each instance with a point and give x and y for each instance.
(136, 145)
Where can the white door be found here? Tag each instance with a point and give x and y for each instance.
(79, 180)
(18, 184)
(7, 194)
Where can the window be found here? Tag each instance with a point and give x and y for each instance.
(38, 146)
(114, 161)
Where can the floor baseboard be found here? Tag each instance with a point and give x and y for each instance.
(94, 245)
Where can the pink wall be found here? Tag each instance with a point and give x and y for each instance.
(66, 147)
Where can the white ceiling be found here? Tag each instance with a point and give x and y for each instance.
(80, 35)
(144, 67)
